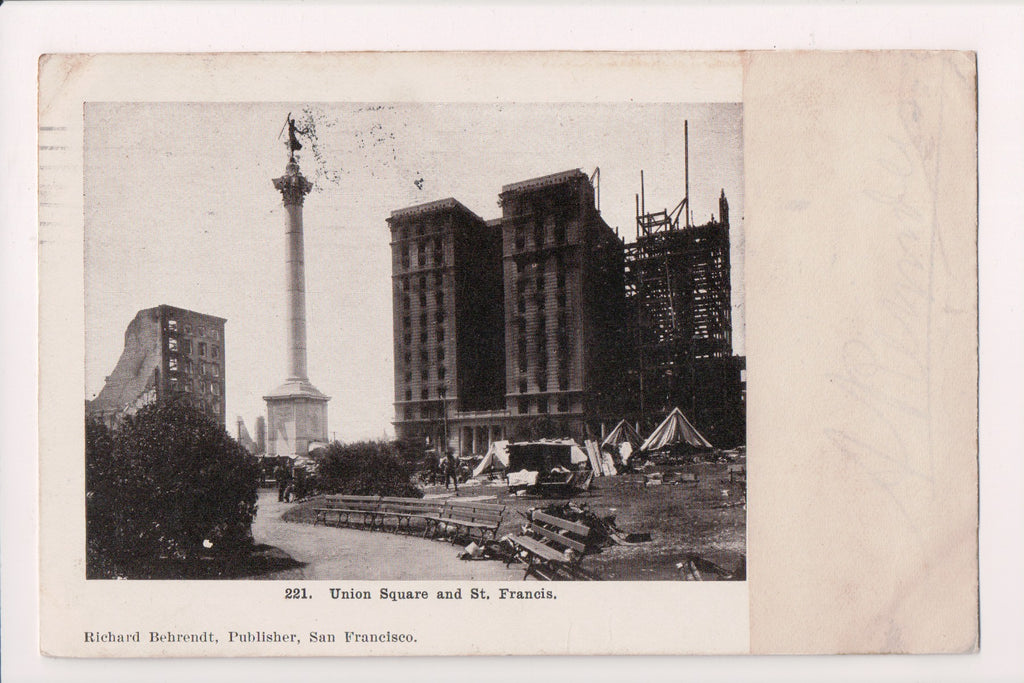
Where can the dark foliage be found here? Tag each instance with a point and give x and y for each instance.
(366, 468)
(164, 482)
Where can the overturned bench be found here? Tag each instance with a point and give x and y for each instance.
(551, 548)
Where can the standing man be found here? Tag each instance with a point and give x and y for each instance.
(283, 475)
(451, 469)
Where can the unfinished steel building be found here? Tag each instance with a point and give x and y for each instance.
(678, 286)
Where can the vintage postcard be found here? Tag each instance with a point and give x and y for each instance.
(398, 354)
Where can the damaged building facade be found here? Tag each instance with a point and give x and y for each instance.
(168, 353)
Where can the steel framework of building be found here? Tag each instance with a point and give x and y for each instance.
(678, 285)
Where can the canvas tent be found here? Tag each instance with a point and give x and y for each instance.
(675, 430)
(623, 433)
(495, 459)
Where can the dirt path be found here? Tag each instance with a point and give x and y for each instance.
(333, 553)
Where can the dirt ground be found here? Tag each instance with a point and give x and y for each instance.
(707, 519)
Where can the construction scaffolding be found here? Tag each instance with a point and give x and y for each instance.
(678, 288)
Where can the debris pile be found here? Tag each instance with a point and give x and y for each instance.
(603, 531)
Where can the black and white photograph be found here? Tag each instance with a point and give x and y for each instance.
(414, 341)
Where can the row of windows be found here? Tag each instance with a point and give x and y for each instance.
(417, 230)
(426, 393)
(541, 403)
(421, 282)
(185, 346)
(542, 230)
(212, 332)
(184, 365)
(185, 384)
(407, 300)
(436, 251)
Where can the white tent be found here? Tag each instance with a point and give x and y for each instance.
(675, 429)
(623, 432)
(496, 458)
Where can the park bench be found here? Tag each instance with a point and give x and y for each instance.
(341, 506)
(737, 472)
(404, 510)
(552, 546)
(467, 517)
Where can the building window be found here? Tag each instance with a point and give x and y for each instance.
(563, 404)
(172, 364)
(408, 394)
(440, 333)
(440, 372)
(215, 334)
(440, 353)
(186, 345)
(172, 324)
(187, 386)
(188, 328)
(424, 374)
(214, 351)
(424, 393)
(174, 383)
(215, 389)
(522, 386)
(215, 370)
(202, 348)
(202, 331)
(186, 366)
(542, 404)
(423, 337)
(522, 304)
(172, 344)
(563, 382)
(524, 406)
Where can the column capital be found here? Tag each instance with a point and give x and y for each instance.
(293, 186)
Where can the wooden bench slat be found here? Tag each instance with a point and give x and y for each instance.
(572, 527)
(537, 548)
(559, 539)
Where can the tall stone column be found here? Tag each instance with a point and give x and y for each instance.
(294, 187)
(296, 410)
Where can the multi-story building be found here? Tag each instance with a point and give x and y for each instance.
(565, 305)
(168, 352)
(501, 323)
(448, 337)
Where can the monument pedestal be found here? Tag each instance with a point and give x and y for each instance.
(296, 418)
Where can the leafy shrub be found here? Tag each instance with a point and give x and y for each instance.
(164, 482)
(365, 468)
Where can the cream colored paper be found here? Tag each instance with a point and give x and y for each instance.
(848, 553)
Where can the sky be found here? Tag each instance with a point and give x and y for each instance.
(180, 209)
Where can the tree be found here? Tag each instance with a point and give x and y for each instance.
(168, 483)
(365, 468)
